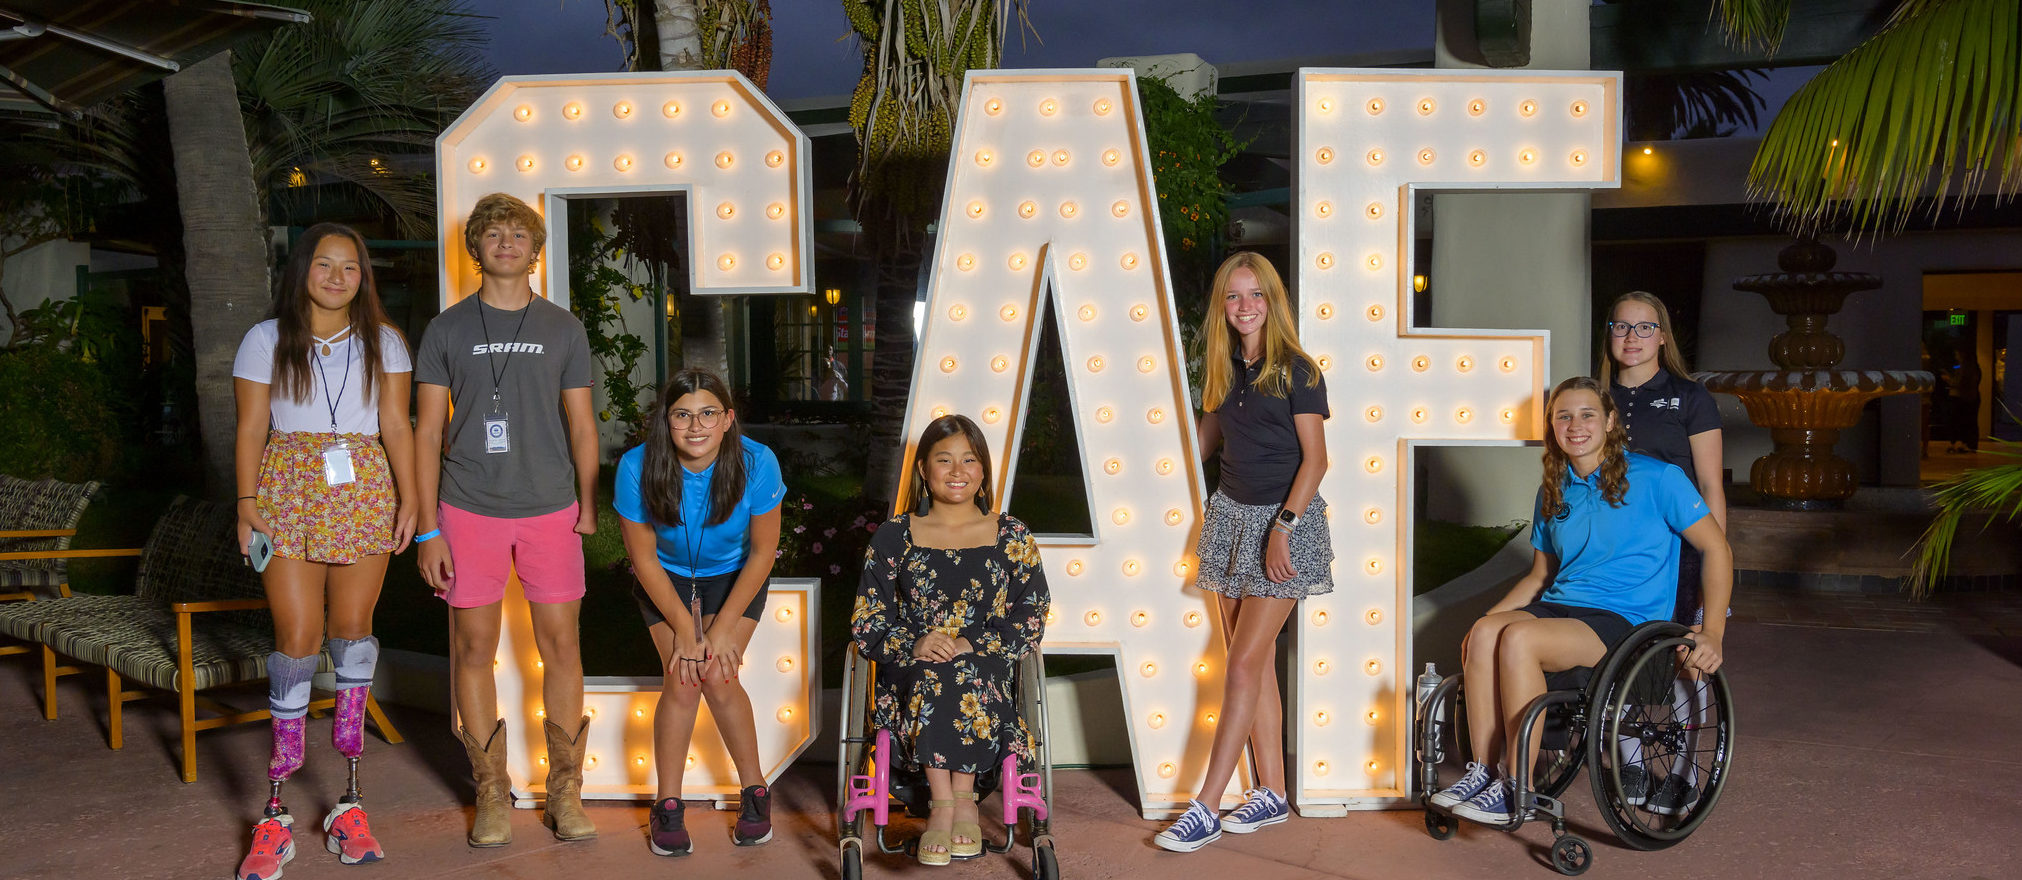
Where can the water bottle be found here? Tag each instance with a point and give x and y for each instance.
(1428, 682)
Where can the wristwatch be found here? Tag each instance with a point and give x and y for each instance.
(1287, 518)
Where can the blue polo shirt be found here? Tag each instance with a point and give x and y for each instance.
(1618, 558)
(721, 548)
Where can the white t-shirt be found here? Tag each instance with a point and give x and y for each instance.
(344, 367)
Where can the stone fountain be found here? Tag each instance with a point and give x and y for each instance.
(1805, 403)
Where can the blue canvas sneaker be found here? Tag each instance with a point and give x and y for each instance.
(1195, 828)
(1490, 807)
(1261, 807)
(1471, 783)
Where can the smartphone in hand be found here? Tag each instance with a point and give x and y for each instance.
(259, 550)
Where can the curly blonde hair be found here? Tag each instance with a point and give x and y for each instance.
(503, 209)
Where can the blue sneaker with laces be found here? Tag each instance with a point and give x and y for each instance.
(1195, 828)
(1490, 807)
(1471, 783)
(1261, 807)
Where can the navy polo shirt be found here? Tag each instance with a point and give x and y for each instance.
(1621, 559)
(1260, 446)
(721, 548)
(1662, 414)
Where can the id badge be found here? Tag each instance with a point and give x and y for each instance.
(496, 439)
(337, 465)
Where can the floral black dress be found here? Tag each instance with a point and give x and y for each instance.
(961, 715)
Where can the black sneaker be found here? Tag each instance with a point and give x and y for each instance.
(667, 829)
(754, 817)
(1672, 797)
(1635, 785)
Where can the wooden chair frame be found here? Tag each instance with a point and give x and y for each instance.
(188, 699)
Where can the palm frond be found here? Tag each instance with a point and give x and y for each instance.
(1995, 490)
(1929, 106)
(1753, 24)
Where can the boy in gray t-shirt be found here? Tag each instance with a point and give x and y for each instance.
(507, 373)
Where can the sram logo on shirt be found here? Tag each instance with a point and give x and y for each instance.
(1667, 403)
(505, 347)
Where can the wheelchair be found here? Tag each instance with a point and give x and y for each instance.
(868, 786)
(1591, 717)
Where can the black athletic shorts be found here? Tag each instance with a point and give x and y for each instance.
(714, 590)
(1611, 627)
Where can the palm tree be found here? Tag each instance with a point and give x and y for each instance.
(916, 53)
(1931, 102)
(331, 102)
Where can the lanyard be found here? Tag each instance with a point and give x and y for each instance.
(498, 370)
(327, 399)
(694, 541)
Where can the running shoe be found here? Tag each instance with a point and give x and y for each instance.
(348, 835)
(667, 829)
(754, 817)
(1635, 785)
(1674, 796)
(273, 846)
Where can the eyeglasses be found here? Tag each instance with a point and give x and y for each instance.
(679, 419)
(1644, 329)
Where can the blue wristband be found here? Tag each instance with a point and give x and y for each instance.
(420, 538)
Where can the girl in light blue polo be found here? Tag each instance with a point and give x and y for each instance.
(701, 514)
(1605, 534)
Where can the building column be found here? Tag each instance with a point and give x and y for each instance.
(1509, 260)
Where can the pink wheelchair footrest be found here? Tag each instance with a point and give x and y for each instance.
(1020, 790)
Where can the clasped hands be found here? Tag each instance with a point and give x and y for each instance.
(940, 647)
(713, 656)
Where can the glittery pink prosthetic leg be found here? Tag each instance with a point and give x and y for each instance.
(288, 701)
(348, 733)
(288, 748)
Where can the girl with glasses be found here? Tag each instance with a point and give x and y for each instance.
(701, 510)
(1669, 417)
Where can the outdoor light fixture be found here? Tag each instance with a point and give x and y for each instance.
(833, 295)
(1418, 283)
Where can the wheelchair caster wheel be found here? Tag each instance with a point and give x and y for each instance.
(1439, 825)
(1045, 865)
(852, 863)
(1572, 856)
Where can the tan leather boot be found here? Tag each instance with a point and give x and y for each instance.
(564, 811)
(493, 826)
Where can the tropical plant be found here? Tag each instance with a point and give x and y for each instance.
(1689, 104)
(598, 292)
(916, 53)
(1930, 104)
(1994, 489)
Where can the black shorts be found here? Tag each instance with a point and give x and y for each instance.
(1611, 627)
(714, 590)
(1689, 609)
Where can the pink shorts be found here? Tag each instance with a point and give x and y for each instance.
(484, 551)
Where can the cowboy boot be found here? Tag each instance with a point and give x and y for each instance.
(564, 810)
(493, 825)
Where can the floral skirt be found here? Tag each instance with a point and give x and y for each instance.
(315, 521)
(1231, 551)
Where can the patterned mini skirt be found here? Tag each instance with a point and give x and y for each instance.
(315, 521)
(1231, 551)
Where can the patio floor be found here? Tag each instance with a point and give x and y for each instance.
(1876, 739)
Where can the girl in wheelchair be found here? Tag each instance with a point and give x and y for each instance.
(1606, 533)
(952, 597)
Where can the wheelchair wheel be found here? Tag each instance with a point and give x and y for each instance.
(852, 863)
(1045, 865)
(1559, 762)
(1572, 856)
(1439, 825)
(1647, 716)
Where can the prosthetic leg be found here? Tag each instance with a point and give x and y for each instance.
(347, 833)
(288, 701)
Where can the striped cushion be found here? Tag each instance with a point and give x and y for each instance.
(191, 557)
(138, 638)
(40, 504)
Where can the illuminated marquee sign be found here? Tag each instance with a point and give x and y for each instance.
(1050, 196)
(743, 168)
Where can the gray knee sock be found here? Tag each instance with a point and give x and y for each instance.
(355, 659)
(288, 684)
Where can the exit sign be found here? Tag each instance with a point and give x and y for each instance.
(1958, 320)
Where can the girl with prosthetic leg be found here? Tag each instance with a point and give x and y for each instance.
(325, 469)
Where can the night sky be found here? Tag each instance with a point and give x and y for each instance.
(813, 54)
